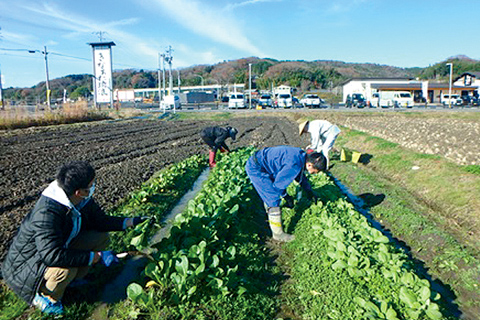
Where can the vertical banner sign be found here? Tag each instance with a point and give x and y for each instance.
(1, 92)
(103, 74)
(102, 69)
(425, 90)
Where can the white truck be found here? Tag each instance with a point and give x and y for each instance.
(236, 101)
(171, 101)
(311, 101)
(455, 100)
(284, 100)
(396, 99)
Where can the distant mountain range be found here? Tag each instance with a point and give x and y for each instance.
(304, 75)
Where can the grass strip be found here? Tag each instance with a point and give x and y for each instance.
(442, 246)
(448, 189)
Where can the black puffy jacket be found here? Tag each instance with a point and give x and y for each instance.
(40, 243)
(215, 137)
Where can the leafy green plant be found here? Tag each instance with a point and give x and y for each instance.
(202, 260)
(352, 264)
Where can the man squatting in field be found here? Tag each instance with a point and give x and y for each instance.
(323, 136)
(57, 242)
(215, 138)
(271, 170)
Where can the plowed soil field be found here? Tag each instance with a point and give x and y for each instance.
(124, 154)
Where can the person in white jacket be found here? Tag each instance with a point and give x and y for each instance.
(323, 135)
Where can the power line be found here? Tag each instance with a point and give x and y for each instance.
(64, 55)
(53, 53)
(17, 55)
(6, 49)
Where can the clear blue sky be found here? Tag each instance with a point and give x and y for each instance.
(403, 33)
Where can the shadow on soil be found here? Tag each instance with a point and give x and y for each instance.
(365, 158)
(371, 200)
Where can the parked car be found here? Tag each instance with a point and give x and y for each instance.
(474, 102)
(265, 101)
(296, 102)
(418, 98)
(284, 100)
(247, 102)
(455, 100)
(236, 101)
(225, 99)
(311, 101)
(395, 99)
(470, 101)
(356, 100)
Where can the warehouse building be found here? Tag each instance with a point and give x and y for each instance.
(422, 90)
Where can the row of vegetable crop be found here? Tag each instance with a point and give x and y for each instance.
(344, 268)
(212, 265)
(157, 196)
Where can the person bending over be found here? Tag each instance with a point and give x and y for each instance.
(271, 171)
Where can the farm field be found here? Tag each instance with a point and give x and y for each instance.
(453, 136)
(124, 153)
(127, 153)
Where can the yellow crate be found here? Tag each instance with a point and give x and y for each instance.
(345, 155)
(356, 156)
(350, 155)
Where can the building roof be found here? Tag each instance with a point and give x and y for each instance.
(101, 44)
(474, 74)
(376, 79)
(396, 86)
(416, 86)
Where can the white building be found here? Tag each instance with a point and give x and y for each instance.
(364, 85)
(282, 90)
(420, 89)
(469, 79)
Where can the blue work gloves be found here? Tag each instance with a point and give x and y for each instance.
(108, 258)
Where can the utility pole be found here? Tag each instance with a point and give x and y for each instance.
(250, 85)
(169, 59)
(179, 82)
(100, 35)
(450, 86)
(45, 53)
(1, 92)
(163, 74)
(159, 82)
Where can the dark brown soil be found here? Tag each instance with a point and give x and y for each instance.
(124, 154)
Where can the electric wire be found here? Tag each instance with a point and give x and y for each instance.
(61, 55)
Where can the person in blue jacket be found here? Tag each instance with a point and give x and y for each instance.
(271, 170)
